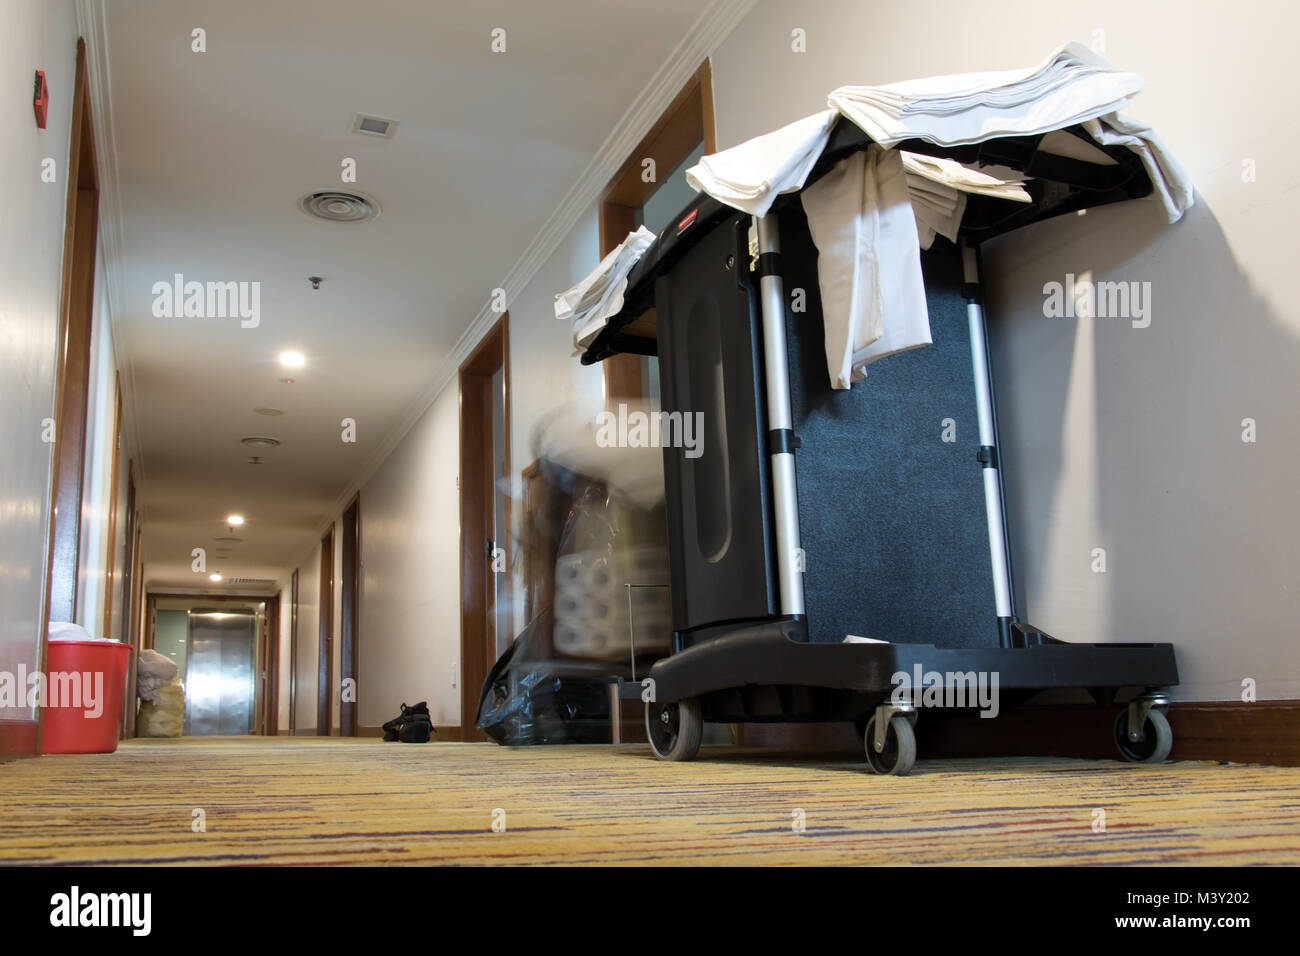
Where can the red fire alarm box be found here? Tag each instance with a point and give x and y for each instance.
(41, 99)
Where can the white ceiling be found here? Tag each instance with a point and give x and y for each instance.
(214, 150)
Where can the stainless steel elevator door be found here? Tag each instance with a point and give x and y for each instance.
(219, 686)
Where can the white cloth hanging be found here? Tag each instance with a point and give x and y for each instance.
(870, 215)
(591, 302)
(750, 176)
(868, 263)
(938, 189)
(1071, 86)
(1172, 185)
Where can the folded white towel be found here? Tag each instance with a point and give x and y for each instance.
(750, 176)
(951, 173)
(938, 188)
(67, 631)
(1173, 187)
(1070, 86)
(868, 263)
(591, 302)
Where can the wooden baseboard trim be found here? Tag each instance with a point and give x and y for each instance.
(1266, 732)
(18, 739)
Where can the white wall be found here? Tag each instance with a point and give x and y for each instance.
(285, 669)
(98, 494)
(34, 34)
(410, 608)
(410, 510)
(306, 667)
(1114, 437)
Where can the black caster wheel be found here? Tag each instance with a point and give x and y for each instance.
(899, 754)
(675, 729)
(1152, 746)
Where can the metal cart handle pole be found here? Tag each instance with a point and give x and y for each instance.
(994, 507)
(781, 445)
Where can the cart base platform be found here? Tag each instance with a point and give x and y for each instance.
(764, 673)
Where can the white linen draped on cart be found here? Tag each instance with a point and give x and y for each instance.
(591, 302)
(1173, 187)
(750, 176)
(873, 293)
(1072, 86)
(938, 189)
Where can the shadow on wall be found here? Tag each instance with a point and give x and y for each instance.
(1138, 441)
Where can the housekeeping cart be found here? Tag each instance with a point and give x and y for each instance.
(827, 541)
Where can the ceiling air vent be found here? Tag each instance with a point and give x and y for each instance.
(254, 582)
(333, 205)
(380, 126)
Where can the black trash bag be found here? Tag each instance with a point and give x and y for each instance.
(526, 700)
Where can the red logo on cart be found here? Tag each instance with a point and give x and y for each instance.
(690, 218)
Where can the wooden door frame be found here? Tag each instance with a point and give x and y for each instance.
(349, 626)
(75, 336)
(131, 593)
(477, 640)
(110, 559)
(325, 644)
(687, 121)
(293, 652)
(270, 709)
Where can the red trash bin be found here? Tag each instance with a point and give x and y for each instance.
(67, 729)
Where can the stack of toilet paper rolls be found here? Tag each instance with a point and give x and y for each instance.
(591, 602)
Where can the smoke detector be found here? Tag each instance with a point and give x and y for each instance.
(260, 441)
(334, 205)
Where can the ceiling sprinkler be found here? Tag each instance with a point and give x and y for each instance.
(315, 281)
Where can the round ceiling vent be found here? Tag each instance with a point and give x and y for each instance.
(333, 205)
(259, 441)
(229, 540)
(269, 412)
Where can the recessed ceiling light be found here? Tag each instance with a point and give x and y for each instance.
(293, 359)
(269, 412)
(260, 441)
(214, 577)
(235, 520)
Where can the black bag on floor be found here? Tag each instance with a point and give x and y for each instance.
(528, 701)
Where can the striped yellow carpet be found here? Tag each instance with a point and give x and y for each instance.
(312, 801)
